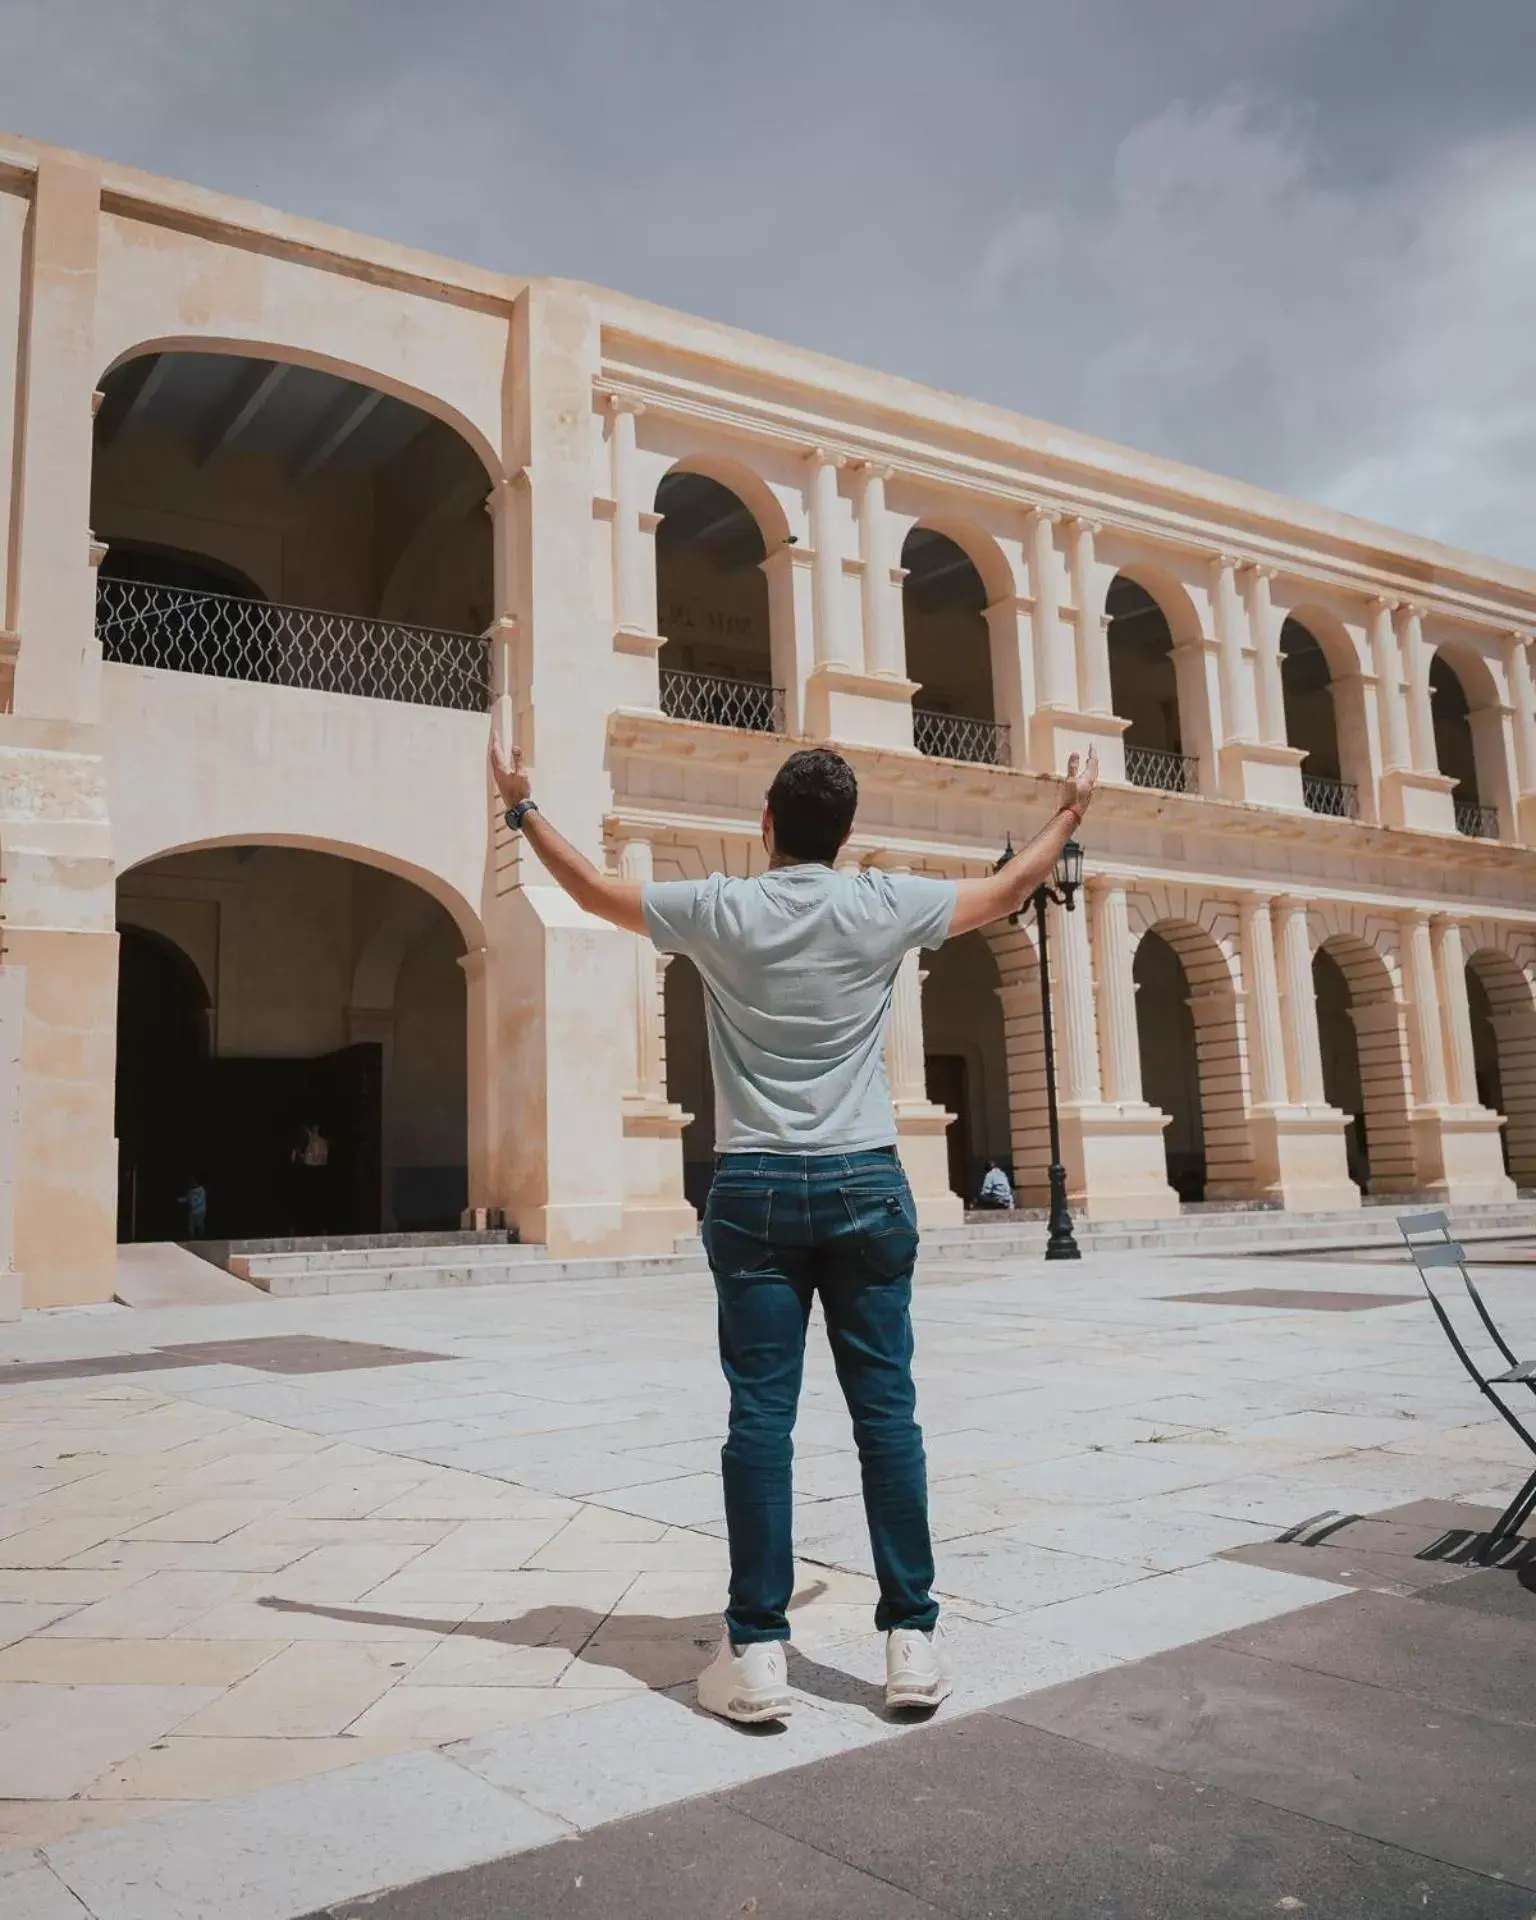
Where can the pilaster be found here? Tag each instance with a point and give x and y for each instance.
(1522, 687)
(1412, 794)
(1456, 1146)
(1261, 770)
(656, 1210)
(921, 1127)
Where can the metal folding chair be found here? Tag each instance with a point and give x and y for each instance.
(1430, 1256)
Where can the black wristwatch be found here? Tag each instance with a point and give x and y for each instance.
(515, 814)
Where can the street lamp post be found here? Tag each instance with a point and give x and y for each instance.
(1060, 1244)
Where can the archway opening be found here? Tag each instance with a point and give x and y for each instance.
(712, 608)
(1170, 1061)
(949, 650)
(690, 1080)
(265, 991)
(1311, 722)
(1502, 1003)
(1455, 748)
(1366, 1072)
(1145, 690)
(1342, 1084)
(273, 522)
(966, 1059)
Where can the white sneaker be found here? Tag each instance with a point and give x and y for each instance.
(748, 1683)
(916, 1668)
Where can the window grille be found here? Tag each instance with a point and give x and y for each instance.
(952, 736)
(720, 702)
(189, 631)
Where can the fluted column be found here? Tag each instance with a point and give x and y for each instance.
(1266, 641)
(1092, 637)
(1387, 660)
(904, 1037)
(1238, 713)
(829, 642)
(1306, 1052)
(884, 642)
(1266, 1029)
(1420, 968)
(1052, 678)
(636, 863)
(1119, 1039)
(1421, 724)
(629, 569)
(1073, 980)
(1455, 1012)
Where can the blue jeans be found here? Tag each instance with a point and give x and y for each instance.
(779, 1229)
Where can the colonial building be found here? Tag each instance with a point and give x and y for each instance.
(286, 510)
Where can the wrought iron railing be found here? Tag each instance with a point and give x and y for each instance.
(188, 631)
(1159, 768)
(953, 736)
(748, 704)
(1339, 798)
(1476, 822)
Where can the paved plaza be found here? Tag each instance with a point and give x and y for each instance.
(301, 1600)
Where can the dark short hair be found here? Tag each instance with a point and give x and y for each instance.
(812, 802)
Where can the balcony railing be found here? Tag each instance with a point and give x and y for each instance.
(747, 704)
(1337, 798)
(952, 736)
(1156, 767)
(188, 631)
(1477, 823)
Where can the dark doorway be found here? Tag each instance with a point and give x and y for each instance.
(162, 1028)
(1170, 1061)
(1343, 1086)
(948, 1083)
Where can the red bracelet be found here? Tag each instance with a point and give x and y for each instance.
(1076, 813)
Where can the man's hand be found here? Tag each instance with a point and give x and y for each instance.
(1079, 785)
(511, 782)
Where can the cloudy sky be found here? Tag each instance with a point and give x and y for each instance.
(1292, 240)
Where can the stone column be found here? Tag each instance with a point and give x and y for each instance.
(632, 614)
(1239, 719)
(1305, 1052)
(1421, 724)
(636, 863)
(1266, 641)
(1118, 1035)
(480, 1090)
(1052, 677)
(1073, 980)
(1455, 1013)
(1092, 636)
(1389, 680)
(904, 1039)
(884, 642)
(1420, 968)
(1266, 1029)
(829, 643)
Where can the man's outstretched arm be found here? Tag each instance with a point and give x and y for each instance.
(617, 901)
(979, 902)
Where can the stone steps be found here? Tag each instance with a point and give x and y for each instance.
(338, 1274)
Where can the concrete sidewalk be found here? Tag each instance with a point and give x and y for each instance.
(303, 1599)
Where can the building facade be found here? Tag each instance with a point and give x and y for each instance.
(287, 510)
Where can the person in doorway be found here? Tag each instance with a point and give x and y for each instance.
(799, 965)
(311, 1159)
(195, 1200)
(995, 1190)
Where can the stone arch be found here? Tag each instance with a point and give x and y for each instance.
(1467, 720)
(749, 487)
(363, 373)
(965, 1056)
(1336, 736)
(953, 573)
(1202, 935)
(1018, 971)
(1156, 662)
(1501, 980)
(1358, 949)
(716, 523)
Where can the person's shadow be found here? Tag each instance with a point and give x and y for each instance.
(659, 1650)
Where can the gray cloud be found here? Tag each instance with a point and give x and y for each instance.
(1293, 243)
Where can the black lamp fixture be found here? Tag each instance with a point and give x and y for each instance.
(1061, 1243)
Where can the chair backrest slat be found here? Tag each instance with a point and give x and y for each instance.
(1439, 1253)
(1412, 1223)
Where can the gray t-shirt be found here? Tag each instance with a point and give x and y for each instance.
(798, 967)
